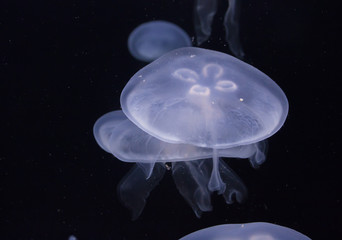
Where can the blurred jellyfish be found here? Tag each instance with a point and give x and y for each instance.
(191, 107)
(203, 18)
(150, 40)
(248, 231)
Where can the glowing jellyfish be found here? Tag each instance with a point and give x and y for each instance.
(150, 40)
(190, 105)
(203, 18)
(248, 231)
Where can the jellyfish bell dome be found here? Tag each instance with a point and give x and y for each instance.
(252, 231)
(204, 98)
(151, 40)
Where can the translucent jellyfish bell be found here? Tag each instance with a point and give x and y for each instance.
(191, 166)
(204, 98)
(150, 40)
(248, 231)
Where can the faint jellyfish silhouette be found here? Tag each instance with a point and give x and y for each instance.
(150, 40)
(192, 104)
(72, 237)
(247, 231)
(203, 18)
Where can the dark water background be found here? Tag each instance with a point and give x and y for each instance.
(65, 64)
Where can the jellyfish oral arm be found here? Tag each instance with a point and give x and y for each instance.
(259, 156)
(147, 168)
(191, 179)
(215, 182)
(134, 188)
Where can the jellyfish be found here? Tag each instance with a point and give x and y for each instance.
(246, 231)
(190, 108)
(203, 18)
(150, 40)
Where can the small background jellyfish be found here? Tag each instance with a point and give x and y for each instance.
(190, 105)
(204, 13)
(246, 231)
(151, 40)
(72, 237)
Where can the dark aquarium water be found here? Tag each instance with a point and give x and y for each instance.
(65, 63)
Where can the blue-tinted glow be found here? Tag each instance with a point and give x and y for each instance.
(248, 231)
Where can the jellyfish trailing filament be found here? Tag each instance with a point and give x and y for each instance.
(204, 14)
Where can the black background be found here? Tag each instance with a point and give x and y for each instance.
(64, 64)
